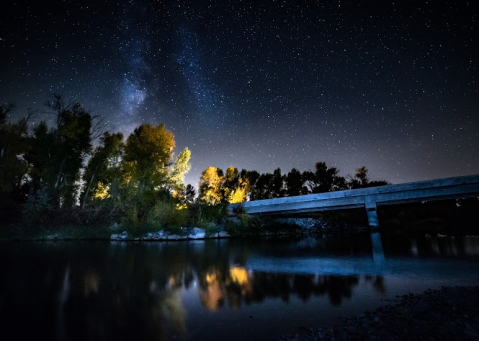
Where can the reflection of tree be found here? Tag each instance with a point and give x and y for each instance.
(338, 287)
(378, 283)
(213, 295)
(133, 291)
(238, 285)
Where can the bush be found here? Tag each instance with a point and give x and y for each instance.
(205, 216)
(245, 224)
(163, 215)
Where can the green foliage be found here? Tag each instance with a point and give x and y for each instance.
(56, 155)
(102, 174)
(148, 155)
(245, 224)
(37, 205)
(164, 214)
(181, 167)
(204, 215)
(13, 144)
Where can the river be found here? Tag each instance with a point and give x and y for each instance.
(229, 289)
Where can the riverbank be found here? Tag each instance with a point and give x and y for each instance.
(450, 313)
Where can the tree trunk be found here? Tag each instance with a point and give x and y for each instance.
(59, 173)
(88, 189)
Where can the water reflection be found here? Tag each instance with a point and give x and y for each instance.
(78, 291)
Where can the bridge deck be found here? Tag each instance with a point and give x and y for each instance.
(369, 198)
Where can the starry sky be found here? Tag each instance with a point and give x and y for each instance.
(391, 85)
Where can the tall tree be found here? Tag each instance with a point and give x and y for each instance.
(148, 156)
(277, 189)
(361, 179)
(230, 182)
(103, 171)
(180, 168)
(294, 182)
(210, 186)
(323, 179)
(13, 146)
(57, 154)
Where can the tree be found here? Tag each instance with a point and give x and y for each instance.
(13, 145)
(277, 189)
(294, 182)
(261, 188)
(230, 182)
(323, 179)
(148, 156)
(57, 154)
(361, 179)
(103, 172)
(180, 168)
(210, 186)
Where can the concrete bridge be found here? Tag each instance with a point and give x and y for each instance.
(369, 198)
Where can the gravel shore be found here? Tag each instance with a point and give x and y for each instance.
(450, 313)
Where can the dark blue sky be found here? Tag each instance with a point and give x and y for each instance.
(392, 85)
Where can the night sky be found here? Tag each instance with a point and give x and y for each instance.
(392, 85)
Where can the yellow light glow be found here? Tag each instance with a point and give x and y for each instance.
(102, 191)
(239, 275)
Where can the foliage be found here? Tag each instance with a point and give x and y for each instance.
(361, 179)
(13, 143)
(148, 154)
(210, 185)
(56, 155)
(237, 187)
(204, 215)
(102, 174)
(246, 225)
(323, 179)
(181, 167)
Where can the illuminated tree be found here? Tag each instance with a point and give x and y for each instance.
(210, 186)
(239, 192)
(148, 156)
(180, 168)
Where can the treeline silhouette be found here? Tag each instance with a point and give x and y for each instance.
(235, 187)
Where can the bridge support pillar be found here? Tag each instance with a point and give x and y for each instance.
(372, 212)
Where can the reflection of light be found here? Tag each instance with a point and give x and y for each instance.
(239, 275)
(213, 293)
(174, 310)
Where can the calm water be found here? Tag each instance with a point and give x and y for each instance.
(240, 289)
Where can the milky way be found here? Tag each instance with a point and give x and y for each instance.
(263, 84)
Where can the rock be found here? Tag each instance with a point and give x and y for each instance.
(123, 235)
(223, 234)
(176, 237)
(160, 235)
(148, 236)
(197, 233)
(115, 237)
